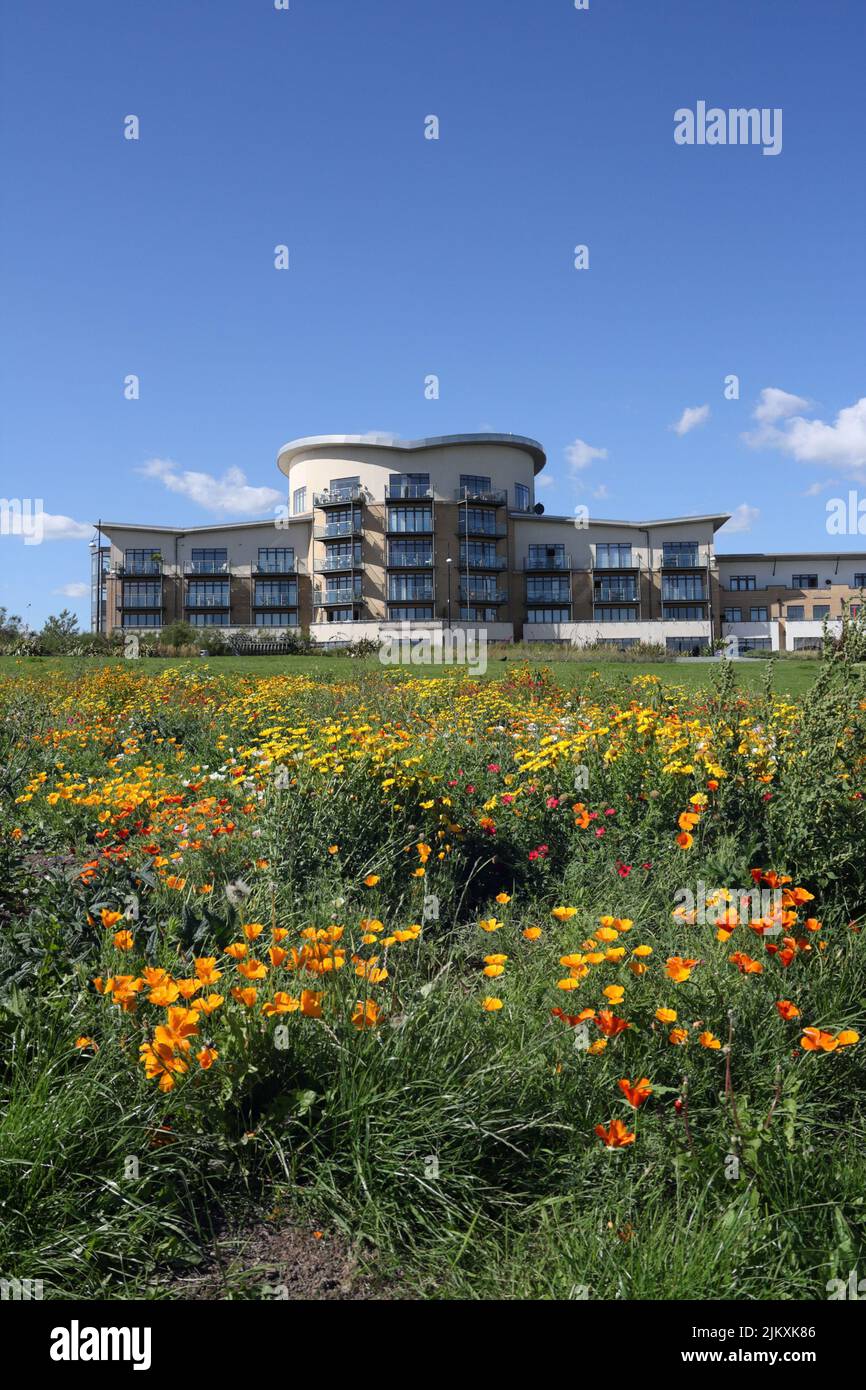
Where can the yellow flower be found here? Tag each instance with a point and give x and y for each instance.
(490, 1004)
(563, 914)
(371, 880)
(666, 1015)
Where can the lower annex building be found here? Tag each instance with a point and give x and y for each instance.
(445, 532)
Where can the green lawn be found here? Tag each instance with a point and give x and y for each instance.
(791, 675)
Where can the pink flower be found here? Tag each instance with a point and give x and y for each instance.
(610, 811)
(552, 803)
(493, 767)
(599, 833)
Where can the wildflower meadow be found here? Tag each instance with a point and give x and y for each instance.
(505, 988)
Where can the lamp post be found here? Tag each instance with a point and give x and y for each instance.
(448, 565)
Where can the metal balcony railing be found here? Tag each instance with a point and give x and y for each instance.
(338, 497)
(410, 560)
(206, 601)
(287, 600)
(336, 530)
(331, 598)
(206, 567)
(276, 566)
(140, 567)
(471, 593)
(548, 562)
(467, 527)
(402, 492)
(337, 564)
(483, 562)
(493, 497)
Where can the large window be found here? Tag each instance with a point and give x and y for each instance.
(473, 614)
(276, 560)
(860, 581)
(142, 561)
(820, 611)
(339, 587)
(299, 500)
(410, 519)
(410, 552)
(732, 615)
(209, 619)
(477, 520)
(410, 586)
(341, 555)
(682, 613)
(544, 589)
(548, 615)
(547, 557)
(691, 646)
(277, 618)
(615, 615)
(680, 554)
(342, 521)
(210, 561)
(619, 588)
(795, 612)
(613, 557)
(683, 586)
(141, 620)
(808, 644)
(521, 497)
(344, 487)
(411, 613)
(480, 553)
(408, 485)
(480, 587)
(473, 483)
(141, 595)
(758, 615)
(742, 582)
(755, 644)
(208, 593)
(804, 581)
(274, 593)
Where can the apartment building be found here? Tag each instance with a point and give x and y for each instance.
(447, 531)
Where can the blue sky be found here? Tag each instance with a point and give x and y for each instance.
(411, 257)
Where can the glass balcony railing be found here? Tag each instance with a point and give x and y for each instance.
(401, 492)
(276, 566)
(194, 600)
(206, 567)
(492, 497)
(328, 598)
(335, 530)
(548, 562)
(686, 560)
(338, 564)
(132, 569)
(410, 560)
(483, 562)
(338, 496)
(466, 526)
(472, 593)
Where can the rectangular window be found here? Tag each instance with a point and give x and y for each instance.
(409, 485)
(473, 483)
(337, 586)
(273, 593)
(807, 644)
(804, 581)
(683, 586)
(204, 593)
(141, 620)
(755, 644)
(208, 619)
(795, 612)
(276, 560)
(686, 612)
(474, 614)
(820, 611)
(690, 646)
(680, 555)
(344, 486)
(480, 554)
(742, 582)
(548, 615)
(860, 581)
(615, 615)
(546, 557)
(410, 553)
(411, 613)
(477, 521)
(613, 557)
(142, 561)
(341, 555)
(299, 500)
(732, 615)
(410, 519)
(410, 586)
(758, 615)
(277, 618)
(548, 589)
(340, 615)
(521, 497)
(140, 594)
(616, 588)
(209, 561)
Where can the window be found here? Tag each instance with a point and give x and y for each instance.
(619, 588)
(680, 555)
(480, 554)
(344, 487)
(613, 557)
(548, 615)
(686, 612)
(337, 586)
(209, 619)
(477, 615)
(411, 613)
(807, 644)
(547, 557)
(545, 589)
(208, 593)
(411, 519)
(410, 586)
(860, 581)
(272, 593)
(690, 645)
(683, 586)
(795, 612)
(210, 561)
(622, 644)
(473, 483)
(341, 555)
(615, 615)
(409, 485)
(140, 594)
(742, 582)
(758, 615)
(477, 521)
(521, 497)
(142, 561)
(299, 500)
(755, 644)
(410, 553)
(340, 615)
(277, 618)
(854, 610)
(276, 560)
(141, 620)
(820, 611)
(732, 615)
(804, 581)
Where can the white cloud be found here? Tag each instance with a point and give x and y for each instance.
(692, 416)
(814, 489)
(580, 455)
(840, 445)
(545, 480)
(742, 518)
(230, 494)
(76, 589)
(600, 492)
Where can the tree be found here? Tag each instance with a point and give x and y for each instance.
(64, 624)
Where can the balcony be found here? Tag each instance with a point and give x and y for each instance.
(481, 562)
(611, 594)
(339, 497)
(411, 560)
(422, 596)
(338, 530)
(206, 601)
(491, 530)
(392, 530)
(337, 564)
(206, 567)
(337, 598)
(405, 492)
(619, 568)
(276, 567)
(140, 568)
(683, 562)
(290, 601)
(479, 593)
(548, 562)
(494, 497)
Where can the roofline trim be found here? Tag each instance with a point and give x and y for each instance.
(439, 441)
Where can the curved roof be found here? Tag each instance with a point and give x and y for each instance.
(387, 441)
